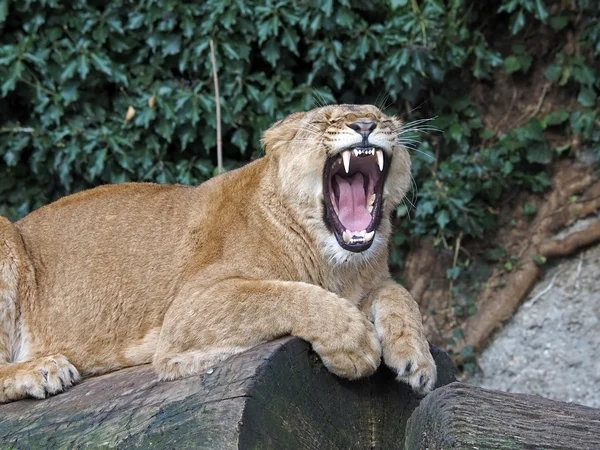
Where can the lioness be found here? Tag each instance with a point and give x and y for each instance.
(294, 243)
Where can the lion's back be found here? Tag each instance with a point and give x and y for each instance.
(106, 264)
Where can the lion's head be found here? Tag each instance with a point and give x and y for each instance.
(347, 163)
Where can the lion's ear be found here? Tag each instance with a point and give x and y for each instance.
(283, 131)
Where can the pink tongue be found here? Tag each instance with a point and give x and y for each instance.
(352, 205)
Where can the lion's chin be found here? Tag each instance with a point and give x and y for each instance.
(353, 183)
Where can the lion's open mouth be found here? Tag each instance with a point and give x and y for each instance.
(353, 194)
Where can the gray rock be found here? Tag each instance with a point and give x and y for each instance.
(551, 346)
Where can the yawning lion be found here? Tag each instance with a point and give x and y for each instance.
(294, 243)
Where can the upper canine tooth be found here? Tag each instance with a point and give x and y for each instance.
(346, 157)
(380, 159)
(369, 236)
(372, 199)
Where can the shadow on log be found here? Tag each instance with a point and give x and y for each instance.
(276, 396)
(461, 416)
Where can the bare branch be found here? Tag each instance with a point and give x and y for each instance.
(218, 105)
(17, 130)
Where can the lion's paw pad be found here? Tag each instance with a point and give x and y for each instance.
(46, 376)
(414, 367)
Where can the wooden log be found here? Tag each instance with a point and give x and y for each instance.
(276, 396)
(460, 416)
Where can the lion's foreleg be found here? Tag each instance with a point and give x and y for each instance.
(399, 327)
(203, 327)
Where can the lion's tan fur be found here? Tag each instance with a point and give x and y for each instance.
(185, 276)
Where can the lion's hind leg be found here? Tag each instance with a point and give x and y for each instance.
(20, 378)
(12, 254)
(38, 378)
(188, 363)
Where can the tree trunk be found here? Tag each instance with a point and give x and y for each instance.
(275, 396)
(460, 416)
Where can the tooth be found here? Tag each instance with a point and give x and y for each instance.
(380, 160)
(369, 236)
(370, 209)
(346, 237)
(355, 152)
(346, 157)
(372, 199)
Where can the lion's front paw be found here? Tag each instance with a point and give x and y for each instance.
(411, 359)
(351, 350)
(41, 377)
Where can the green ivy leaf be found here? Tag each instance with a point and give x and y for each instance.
(539, 259)
(512, 64)
(135, 20)
(442, 219)
(456, 131)
(539, 153)
(271, 52)
(559, 22)
(96, 164)
(398, 3)
(553, 72)
(557, 117)
(172, 46)
(529, 209)
(587, 96)
(83, 66)
(101, 62)
(517, 22)
(11, 81)
(540, 10)
(69, 93)
(240, 139)
(486, 133)
(453, 273)
(4, 10)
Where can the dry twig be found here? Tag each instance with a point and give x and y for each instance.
(218, 105)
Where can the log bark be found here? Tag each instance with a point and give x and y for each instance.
(275, 396)
(460, 416)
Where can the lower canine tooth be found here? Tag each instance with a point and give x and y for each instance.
(372, 199)
(369, 236)
(346, 237)
(370, 209)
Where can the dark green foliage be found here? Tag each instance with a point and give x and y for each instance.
(68, 75)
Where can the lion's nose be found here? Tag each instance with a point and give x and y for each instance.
(364, 128)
